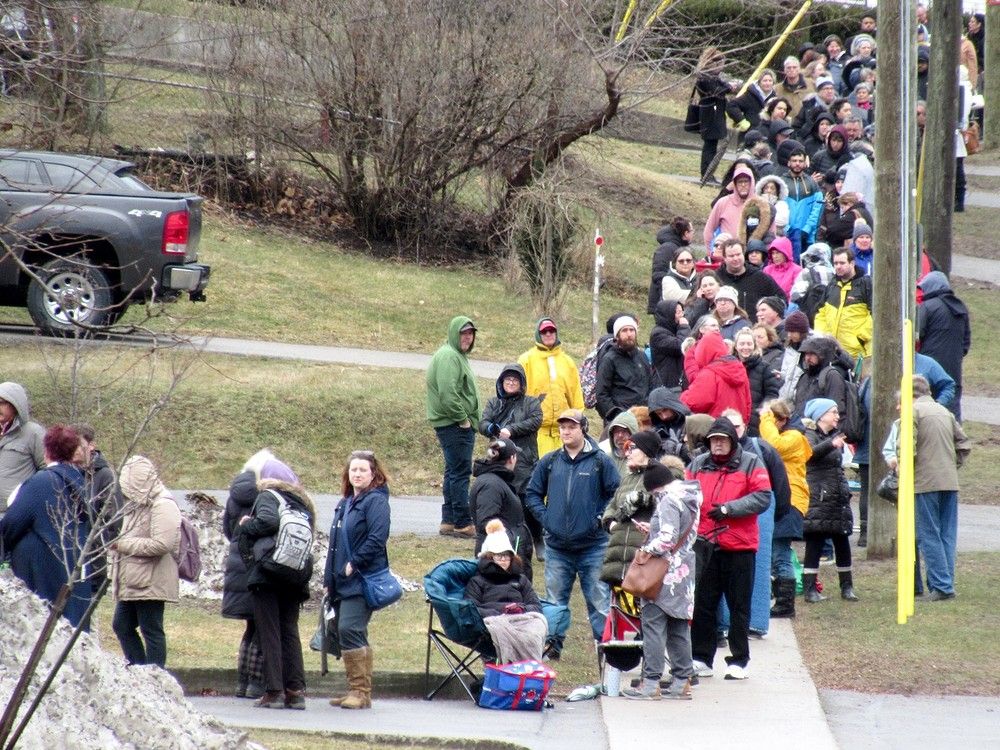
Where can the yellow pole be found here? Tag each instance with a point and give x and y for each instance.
(656, 13)
(623, 27)
(905, 530)
(776, 46)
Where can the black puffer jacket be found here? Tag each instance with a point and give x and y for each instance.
(236, 601)
(492, 496)
(764, 386)
(624, 380)
(492, 588)
(672, 434)
(670, 243)
(829, 495)
(665, 344)
(520, 414)
(773, 355)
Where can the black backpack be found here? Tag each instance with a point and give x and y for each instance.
(854, 421)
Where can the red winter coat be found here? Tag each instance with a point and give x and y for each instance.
(721, 381)
(743, 484)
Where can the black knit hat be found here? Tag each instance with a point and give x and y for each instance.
(648, 442)
(655, 476)
(775, 303)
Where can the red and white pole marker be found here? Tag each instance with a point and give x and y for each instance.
(598, 265)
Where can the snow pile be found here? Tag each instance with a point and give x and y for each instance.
(96, 701)
(207, 518)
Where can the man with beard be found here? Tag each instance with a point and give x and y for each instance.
(728, 211)
(834, 156)
(624, 377)
(820, 379)
(805, 203)
(736, 488)
(751, 284)
(846, 313)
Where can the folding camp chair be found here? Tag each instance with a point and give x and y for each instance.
(462, 626)
(621, 643)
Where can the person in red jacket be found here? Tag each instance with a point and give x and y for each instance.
(721, 381)
(736, 488)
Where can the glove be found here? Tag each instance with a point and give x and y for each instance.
(717, 514)
(743, 125)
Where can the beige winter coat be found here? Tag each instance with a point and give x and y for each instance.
(145, 565)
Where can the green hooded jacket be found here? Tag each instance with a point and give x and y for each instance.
(452, 395)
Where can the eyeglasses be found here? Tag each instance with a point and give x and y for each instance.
(503, 555)
(370, 455)
(684, 260)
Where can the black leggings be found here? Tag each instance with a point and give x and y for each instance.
(814, 547)
(709, 147)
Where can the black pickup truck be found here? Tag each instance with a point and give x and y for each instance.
(96, 238)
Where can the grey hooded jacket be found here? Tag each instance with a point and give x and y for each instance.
(21, 451)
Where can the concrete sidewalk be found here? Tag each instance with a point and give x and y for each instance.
(777, 707)
(568, 726)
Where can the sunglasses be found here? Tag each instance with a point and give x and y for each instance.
(686, 260)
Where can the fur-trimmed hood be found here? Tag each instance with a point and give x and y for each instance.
(292, 489)
(757, 209)
(782, 187)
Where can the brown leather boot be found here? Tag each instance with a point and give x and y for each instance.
(358, 678)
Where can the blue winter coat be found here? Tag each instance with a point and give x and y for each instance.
(364, 519)
(49, 521)
(568, 496)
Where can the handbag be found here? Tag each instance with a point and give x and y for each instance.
(692, 122)
(888, 488)
(971, 137)
(380, 588)
(644, 577)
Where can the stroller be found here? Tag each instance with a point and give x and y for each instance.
(621, 642)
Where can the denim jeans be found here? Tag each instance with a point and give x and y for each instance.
(456, 445)
(937, 532)
(729, 574)
(781, 558)
(760, 602)
(562, 567)
(146, 617)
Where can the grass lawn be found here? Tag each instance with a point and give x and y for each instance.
(941, 650)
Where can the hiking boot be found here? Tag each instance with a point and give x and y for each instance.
(466, 532)
(295, 699)
(680, 690)
(648, 690)
(701, 669)
(847, 586)
(784, 604)
(809, 591)
(446, 529)
(271, 699)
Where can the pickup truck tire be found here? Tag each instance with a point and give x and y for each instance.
(73, 292)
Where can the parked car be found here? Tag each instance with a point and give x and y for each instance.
(97, 237)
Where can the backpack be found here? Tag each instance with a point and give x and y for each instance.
(588, 371)
(854, 422)
(811, 302)
(290, 561)
(189, 555)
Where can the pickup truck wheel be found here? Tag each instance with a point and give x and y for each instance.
(73, 292)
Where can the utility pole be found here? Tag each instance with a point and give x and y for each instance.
(938, 194)
(894, 266)
(991, 125)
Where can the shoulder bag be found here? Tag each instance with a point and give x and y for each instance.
(692, 122)
(644, 577)
(380, 588)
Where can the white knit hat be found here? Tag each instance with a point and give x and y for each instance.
(497, 540)
(623, 322)
(729, 293)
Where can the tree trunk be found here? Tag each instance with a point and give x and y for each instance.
(992, 77)
(894, 170)
(938, 194)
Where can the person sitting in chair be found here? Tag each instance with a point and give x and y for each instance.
(504, 597)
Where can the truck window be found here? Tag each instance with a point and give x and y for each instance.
(65, 179)
(20, 173)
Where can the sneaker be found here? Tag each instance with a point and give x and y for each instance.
(255, 690)
(271, 699)
(736, 672)
(679, 691)
(938, 596)
(758, 634)
(466, 532)
(701, 669)
(295, 700)
(446, 529)
(648, 690)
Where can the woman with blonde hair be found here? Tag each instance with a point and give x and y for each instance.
(786, 436)
(764, 382)
(358, 539)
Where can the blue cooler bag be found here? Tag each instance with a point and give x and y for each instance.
(520, 686)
